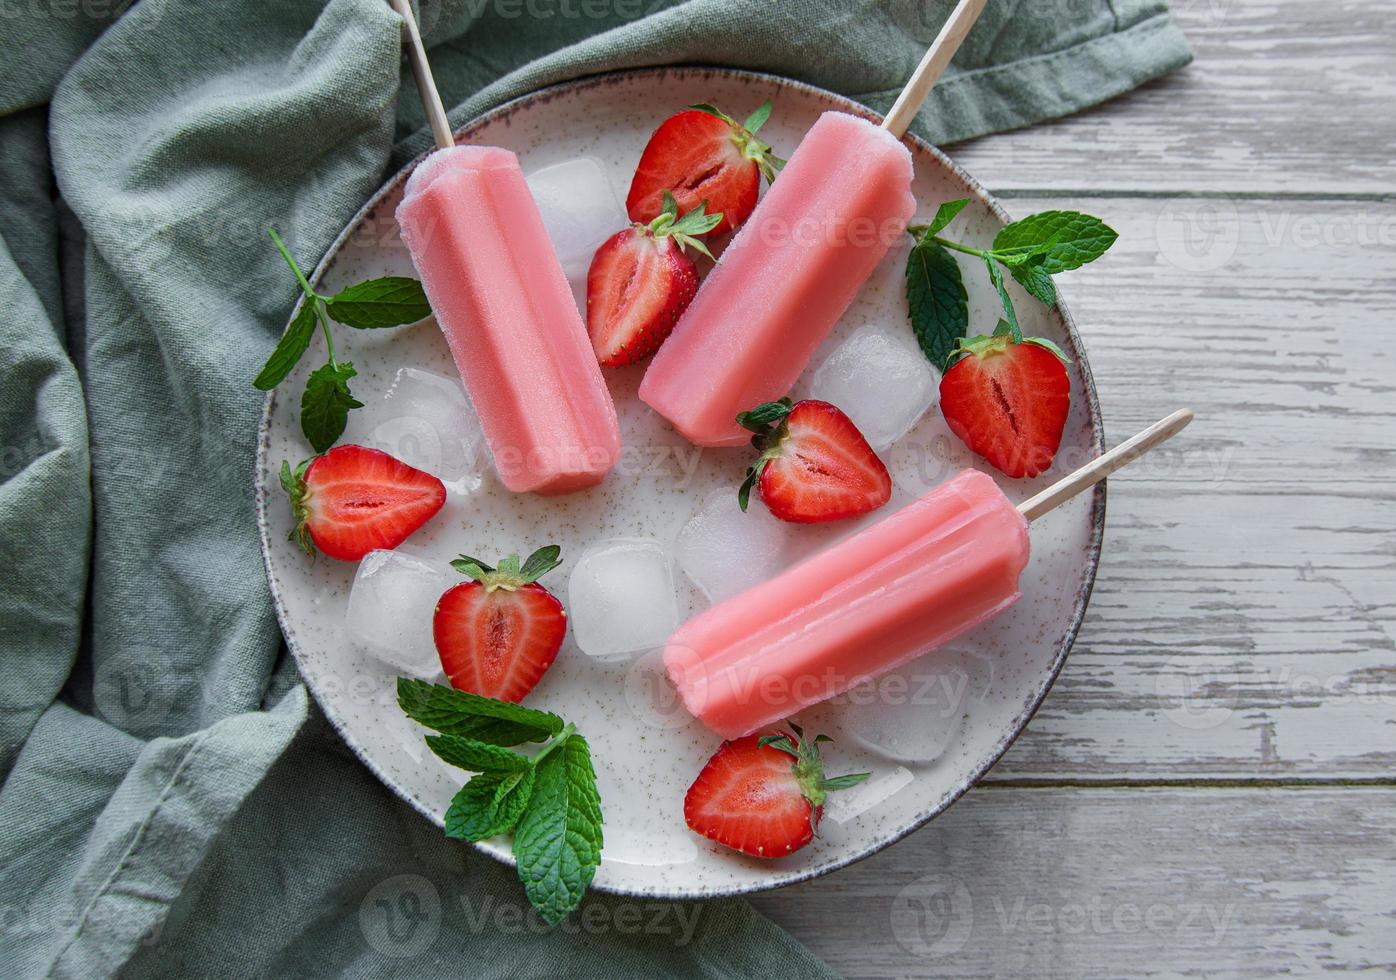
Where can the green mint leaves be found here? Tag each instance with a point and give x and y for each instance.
(1031, 251)
(548, 800)
(326, 402)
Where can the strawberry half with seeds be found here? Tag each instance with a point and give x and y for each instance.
(498, 633)
(353, 500)
(763, 794)
(640, 281)
(703, 154)
(1007, 398)
(814, 466)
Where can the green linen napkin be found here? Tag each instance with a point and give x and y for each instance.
(173, 803)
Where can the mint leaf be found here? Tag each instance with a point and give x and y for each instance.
(476, 756)
(489, 805)
(1065, 239)
(472, 716)
(1011, 315)
(557, 843)
(945, 214)
(387, 302)
(326, 403)
(288, 350)
(1037, 282)
(936, 300)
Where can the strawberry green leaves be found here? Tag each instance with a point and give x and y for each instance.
(744, 135)
(687, 230)
(327, 401)
(549, 801)
(1031, 250)
(511, 574)
(768, 422)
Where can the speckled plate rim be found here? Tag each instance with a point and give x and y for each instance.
(780, 876)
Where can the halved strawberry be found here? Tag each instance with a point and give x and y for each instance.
(703, 154)
(640, 282)
(753, 798)
(1007, 398)
(353, 500)
(498, 633)
(814, 465)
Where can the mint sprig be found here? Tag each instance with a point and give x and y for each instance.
(327, 401)
(549, 800)
(1032, 250)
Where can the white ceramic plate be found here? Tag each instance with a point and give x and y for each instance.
(646, 748)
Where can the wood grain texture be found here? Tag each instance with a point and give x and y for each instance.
(1209, 788)
(1080, 883)
(1284, 96)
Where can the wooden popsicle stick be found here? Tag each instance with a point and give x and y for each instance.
(928, 72)
(1101, 467)
(421, 71)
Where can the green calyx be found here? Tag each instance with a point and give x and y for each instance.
(744, 136)
(293, 482)
(768, 422)
(684, 230)
(511, 574)
(808, 769)
(1003, 338)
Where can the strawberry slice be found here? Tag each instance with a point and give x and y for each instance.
(353, 500)
(1007, 398)
(814, 466)
(763, 794)
(703, 154)
(498, 633)
(639, 282)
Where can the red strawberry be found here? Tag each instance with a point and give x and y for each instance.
(353, 500)
(500, 632)
(640, 281)
(814, 465)
(763, 794)
(703, 154)
(1007, 399)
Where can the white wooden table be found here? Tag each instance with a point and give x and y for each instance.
(1211, 786)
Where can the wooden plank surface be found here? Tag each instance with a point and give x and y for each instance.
(1285, 96)
(1209, 788)
(1117, 883)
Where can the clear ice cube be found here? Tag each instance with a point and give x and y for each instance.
(580, 210)
(725, 551)
(914, 713)
(848, 804)
(881, 380)
(425, 420)
(390, 610)
(621, 598)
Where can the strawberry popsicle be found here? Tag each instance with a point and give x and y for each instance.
(501, 299)
(895, 590)
(786, 278)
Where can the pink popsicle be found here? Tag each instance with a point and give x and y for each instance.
(786, 278)
(500, 297)
(893, 591)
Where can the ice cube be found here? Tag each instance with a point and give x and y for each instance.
(847, 804)
(724, 551)
(881, 380)
(911, 714)
(390, 610)
(580, 210)
(425, 420)
(621, 598)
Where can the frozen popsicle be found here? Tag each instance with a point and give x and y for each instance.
(784, 280)
(895, 590)
(791, 272)
(502, 301)
(868, 604)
